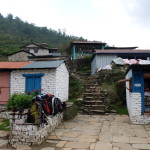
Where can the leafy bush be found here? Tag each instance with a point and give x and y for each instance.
(116, 92)
(70, 113)
(75, 88)
(20, 100)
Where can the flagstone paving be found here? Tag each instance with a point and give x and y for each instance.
(98, 132)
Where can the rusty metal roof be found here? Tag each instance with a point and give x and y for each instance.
(12, 65)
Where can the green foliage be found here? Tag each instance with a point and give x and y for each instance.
(70, 113)
(116, 92)
(15, 33)
(75, 88)
(85, 64)
(5, 125)
(20, 100)
(78, 103)
(120, 108)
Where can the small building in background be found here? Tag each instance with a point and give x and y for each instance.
(20, 56)
(138, 93)
(80, 49)
(34, 50)
(102, 58)
(19, 77)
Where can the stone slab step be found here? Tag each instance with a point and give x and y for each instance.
(94, 105)
(88, 97)
(92, 93)
(96, 101)
(93, 111)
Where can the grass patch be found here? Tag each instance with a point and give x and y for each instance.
(5, 125)
(119, 108)
(116, 92)
(79, 104)
(70, 113)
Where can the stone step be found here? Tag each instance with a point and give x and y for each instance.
(92, 97)
(98, 93)
(94, 111)
(94, 105)
(96, 101)
(92, 90)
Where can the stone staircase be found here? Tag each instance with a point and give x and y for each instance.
(94, 99)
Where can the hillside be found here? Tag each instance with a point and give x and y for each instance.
(15, 33)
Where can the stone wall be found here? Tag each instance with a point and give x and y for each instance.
(31, 134)
(62, 82)
(135, 113)
(136, 104)
(5, 114)
(21, 56)
(18, 81)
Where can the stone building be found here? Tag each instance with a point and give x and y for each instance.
(34, 50)
(46, 76)
(20, 56)
(138, 93)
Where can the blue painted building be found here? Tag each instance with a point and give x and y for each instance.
(79, 49)
(138, 93)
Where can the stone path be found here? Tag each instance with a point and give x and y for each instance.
(98, 132)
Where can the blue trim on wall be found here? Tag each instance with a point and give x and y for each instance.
(31, 75)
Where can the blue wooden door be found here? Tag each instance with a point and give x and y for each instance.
(33, 83)
(138, 85)
(138, 82)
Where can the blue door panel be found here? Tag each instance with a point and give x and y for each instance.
(29, 84)
(37, 83)
(33, 83)
(137, 82)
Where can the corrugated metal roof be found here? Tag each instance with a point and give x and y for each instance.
(88, 42)
(12, 65)
(43, 64)
(117, 51)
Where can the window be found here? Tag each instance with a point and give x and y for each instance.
(27, 50)
(35, 51)
(32, 82)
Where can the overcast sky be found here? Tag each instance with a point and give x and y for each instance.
(116, 22)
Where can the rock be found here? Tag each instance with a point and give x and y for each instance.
(22, 147)
(3, 143)
(3, 134)
(78, 145)
(48, 148)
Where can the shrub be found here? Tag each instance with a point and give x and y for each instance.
(20, 100)
(75, 88)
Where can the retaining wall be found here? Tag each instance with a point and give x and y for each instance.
(29, 133)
